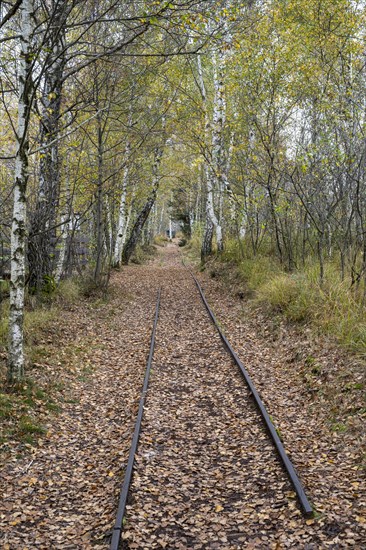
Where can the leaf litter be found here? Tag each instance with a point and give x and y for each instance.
(206, 474)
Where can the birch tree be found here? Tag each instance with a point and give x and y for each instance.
(19, 231)
(42, 234)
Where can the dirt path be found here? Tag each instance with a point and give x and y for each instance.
(206, 475)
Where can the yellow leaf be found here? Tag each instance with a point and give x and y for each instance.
(219, 508)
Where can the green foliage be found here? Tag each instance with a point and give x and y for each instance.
(257, 271)
(194, 244)
(28, 426)
(279, 292)
(6, 406)
(333, 307)
(339, 427)
(37, 321)
(142, 254)
(49, 284)
(4, 286)
(20, 405)
(3, 330)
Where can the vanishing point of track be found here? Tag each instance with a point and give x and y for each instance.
(271, 430)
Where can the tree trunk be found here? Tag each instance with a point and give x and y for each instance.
(130, 246)
(117, 257)
(66, 227)
(215, 179)
(42, 235)
(206, 248)
(18, 231)
(99, 207)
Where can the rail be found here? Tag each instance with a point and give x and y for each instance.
(118, 526)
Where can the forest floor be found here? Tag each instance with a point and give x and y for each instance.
(206, 475)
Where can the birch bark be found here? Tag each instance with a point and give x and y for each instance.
(121, 231)
(18, 230)
(209, 171)
(219, 112)
(66, 228)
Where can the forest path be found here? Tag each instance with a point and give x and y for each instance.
(206, 475)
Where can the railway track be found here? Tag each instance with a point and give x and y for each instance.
(271, 431)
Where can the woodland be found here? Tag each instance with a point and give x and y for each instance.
(134, 133)
(242, 121)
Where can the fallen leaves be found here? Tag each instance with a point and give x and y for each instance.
(206, 474)
(66, 496)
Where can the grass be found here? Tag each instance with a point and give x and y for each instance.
(25, 405)
(6, 406)
(85, 374)
(4, 288)
(68, 291)
(142, 254)
(36, 318)
(334, 308)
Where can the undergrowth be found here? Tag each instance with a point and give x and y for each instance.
(24, 405)
(20, 408)
(142, 254)
(335, 307)
(161, 240)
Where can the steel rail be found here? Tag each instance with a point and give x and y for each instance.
(118, 526)
(295, 481)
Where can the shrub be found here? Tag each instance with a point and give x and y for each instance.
(142, 254)
(69, 291)
(333, 307)
(160, 240)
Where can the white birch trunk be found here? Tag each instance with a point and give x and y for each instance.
(219, 113)
(61, 258)
(66, 228)
(18, 229)
(108, 229)
(127, 224)
(161, 220)
(121, 233)
(214, 168)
